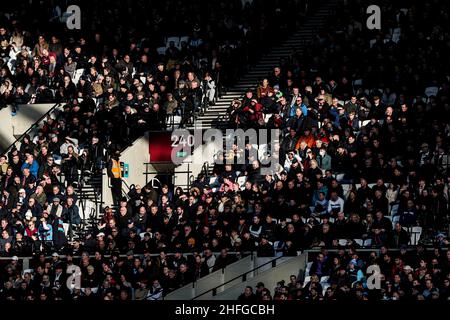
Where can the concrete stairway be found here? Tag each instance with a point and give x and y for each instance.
(269, 276)
(295, 43)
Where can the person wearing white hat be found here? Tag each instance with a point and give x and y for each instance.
(22, 196)
(100, 235)
(407, 269)
(28, 215)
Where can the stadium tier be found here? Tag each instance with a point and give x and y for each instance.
(355, 177)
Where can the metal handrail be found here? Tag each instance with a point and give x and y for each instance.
(243, 276)
(26, 259)
(205, 169)
(368, 250)
(273, 262)
(124, 191)
(33, 126)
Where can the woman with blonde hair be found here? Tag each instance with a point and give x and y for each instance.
(368, 222)
(392, 193)
(16, 39)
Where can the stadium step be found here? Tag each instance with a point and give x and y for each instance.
(268, 274)
(296, 42)
(90, 191)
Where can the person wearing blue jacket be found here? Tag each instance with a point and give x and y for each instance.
(31, 164)
(298, 104)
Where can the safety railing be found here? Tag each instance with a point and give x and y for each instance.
(27, 259)
(34, 126)
(242, 276)
(169, 176)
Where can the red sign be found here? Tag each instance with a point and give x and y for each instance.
(160, 147)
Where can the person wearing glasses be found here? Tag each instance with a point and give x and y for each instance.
(46, 166)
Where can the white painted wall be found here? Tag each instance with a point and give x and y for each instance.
(217, 278)
(6, 129)
(12, 127)
(212, 280)
(292, 265)
(202, 154)
(136, 156)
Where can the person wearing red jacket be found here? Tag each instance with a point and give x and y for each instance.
(254, 113)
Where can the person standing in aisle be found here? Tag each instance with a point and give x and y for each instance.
(115, 175)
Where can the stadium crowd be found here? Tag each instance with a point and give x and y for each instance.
(363, 112)
(343, 276)
(353, 113)
(108, 76)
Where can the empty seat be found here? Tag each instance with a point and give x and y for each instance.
(359, 242)
(30, 271)
(365, 123)
(171, 123)
(394, 209)
(324, 279)
(175, 40)
(367, 242)
(396, 34)
(342, 242)
(393, 224)
(161, 50)
(76, 75)
(346, 187)
(325, 286)
(262, 151)
(80, 212)
(307, 279)
(431, 91)
(415, 234)
(184, 39)
(212, 180)
(66, 228)
(241, 181)
(308, 267)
